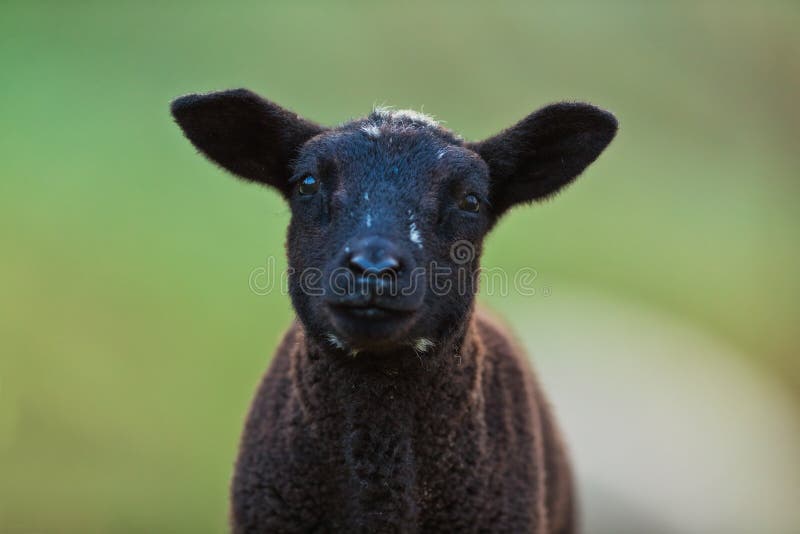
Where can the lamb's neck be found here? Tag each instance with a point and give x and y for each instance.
(376, 410)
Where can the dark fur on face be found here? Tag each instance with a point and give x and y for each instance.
(391, 406)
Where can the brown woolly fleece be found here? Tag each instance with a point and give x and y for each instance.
(464, 444)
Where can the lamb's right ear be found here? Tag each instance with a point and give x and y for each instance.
(245, 134)
(544, 152)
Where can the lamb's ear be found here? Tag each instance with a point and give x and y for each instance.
(244, 133)
(544, 152)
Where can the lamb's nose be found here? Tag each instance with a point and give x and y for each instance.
(374, 256)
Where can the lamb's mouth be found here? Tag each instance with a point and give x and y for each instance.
(371, 324)
(370, 310)
(371, 304)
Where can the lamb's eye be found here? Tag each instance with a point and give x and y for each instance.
(309, 185)
(470, 203)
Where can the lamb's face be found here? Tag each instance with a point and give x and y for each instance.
(388, 217)
(389, 213)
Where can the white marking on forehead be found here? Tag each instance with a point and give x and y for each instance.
(423, 344)
(335, 341)
(371, 130)
(382, 111)
(416, 116)
(369, 220)
(366, 196)
(414, 235)
(410, 114)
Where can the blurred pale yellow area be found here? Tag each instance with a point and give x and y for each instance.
(665, 321)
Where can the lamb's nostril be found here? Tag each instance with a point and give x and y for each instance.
(361, 262)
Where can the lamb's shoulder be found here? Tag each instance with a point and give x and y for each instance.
(501, 351)
(516, 407)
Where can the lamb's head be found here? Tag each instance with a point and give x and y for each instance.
(389, 212)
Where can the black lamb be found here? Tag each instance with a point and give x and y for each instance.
(392, 404)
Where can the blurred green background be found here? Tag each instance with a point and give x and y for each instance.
(130, 341)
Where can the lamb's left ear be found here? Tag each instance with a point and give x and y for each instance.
(245, 134)
(544, 152)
